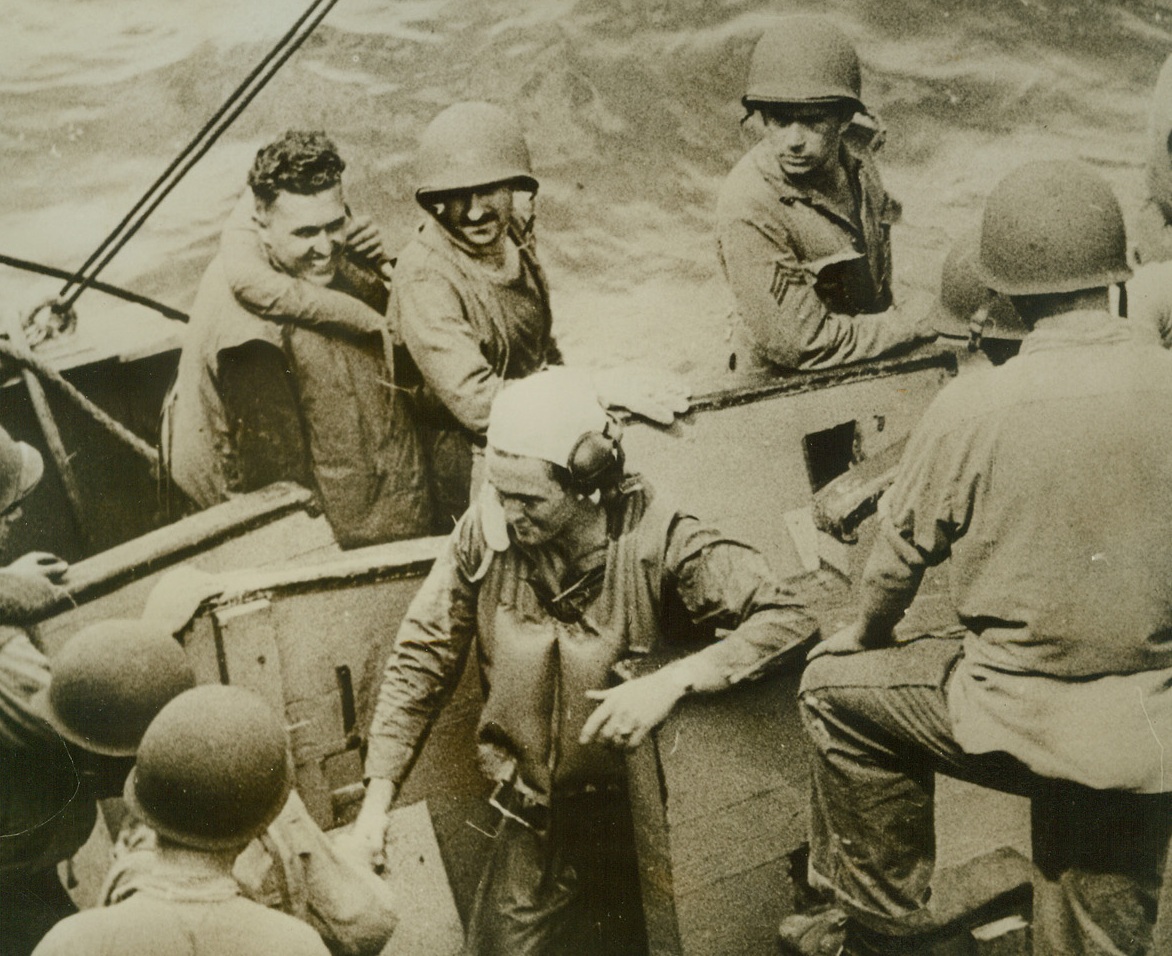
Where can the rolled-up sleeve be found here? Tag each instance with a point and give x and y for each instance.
(730, 586)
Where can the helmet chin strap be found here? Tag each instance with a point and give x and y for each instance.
(522, 228)
(977, 325)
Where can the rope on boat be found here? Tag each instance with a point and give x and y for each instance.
(27, 360)
(239, 99)
(180, 166)
(39, 268)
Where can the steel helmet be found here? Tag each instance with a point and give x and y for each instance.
(803, 59)
(967, 308)
(21, 468)
(1050, 227)
(213, 768)
(109, 681)
(470, 145)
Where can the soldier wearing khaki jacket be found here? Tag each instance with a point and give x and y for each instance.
(803, 220)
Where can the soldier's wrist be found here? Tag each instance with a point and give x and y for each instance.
(380, 794)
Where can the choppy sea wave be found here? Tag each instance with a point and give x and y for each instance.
(631, 108)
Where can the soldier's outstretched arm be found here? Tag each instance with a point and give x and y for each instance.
(429, 655)
(725, 583)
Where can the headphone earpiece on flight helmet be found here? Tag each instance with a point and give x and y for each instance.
(595, 463)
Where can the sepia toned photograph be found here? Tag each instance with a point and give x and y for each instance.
(586, 477)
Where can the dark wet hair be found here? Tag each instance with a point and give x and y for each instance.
(299, 161)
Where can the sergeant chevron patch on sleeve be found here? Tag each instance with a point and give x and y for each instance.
(781, 280)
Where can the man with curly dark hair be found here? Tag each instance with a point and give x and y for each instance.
(284, 374)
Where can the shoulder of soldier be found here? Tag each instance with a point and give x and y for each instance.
(77, 935)
(285, 934)
(646, 511)
(430, 260)
(746, 190)
(962, 401)
(416, 251)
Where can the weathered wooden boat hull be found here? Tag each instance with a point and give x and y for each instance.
(123, 358)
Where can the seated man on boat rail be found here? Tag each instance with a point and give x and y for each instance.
(266, 393)
(563, 565)
(1045, 483)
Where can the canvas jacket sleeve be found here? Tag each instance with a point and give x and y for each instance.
(24, 670)
(428, 657)
(730, 586)
(777, 300)
(921, 515)
(46, 811)
(446, 347)
(272, 294)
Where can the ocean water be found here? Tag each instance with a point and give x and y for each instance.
(631, 109)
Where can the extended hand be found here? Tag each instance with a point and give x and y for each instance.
(40, 564)
(626, 714)
(364, 844)
(647, 393)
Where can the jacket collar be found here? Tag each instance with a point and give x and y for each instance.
(1085, 327)
(789, 192)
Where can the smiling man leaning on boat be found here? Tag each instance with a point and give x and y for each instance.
(284, 372)
(470, 305)
(563, 565)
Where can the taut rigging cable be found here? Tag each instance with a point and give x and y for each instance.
(239, 99)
